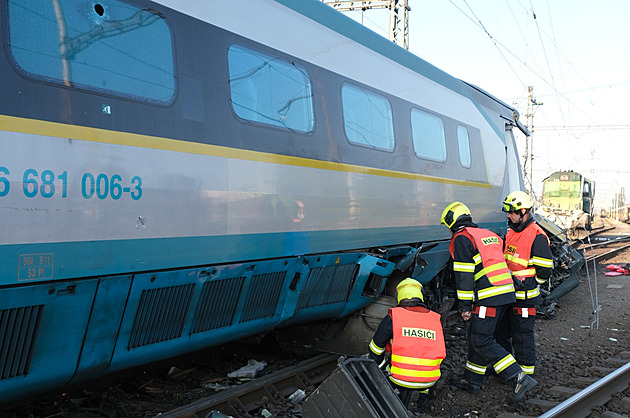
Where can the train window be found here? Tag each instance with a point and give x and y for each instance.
(367, 118)
(107, 46)
(427, 131)
(464, 146)
(270, 90)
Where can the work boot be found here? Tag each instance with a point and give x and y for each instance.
(524, 383)
(463, 383)
(419, 405)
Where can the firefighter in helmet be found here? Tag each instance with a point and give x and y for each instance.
(529, 257)
(413, 336)
(484, 291)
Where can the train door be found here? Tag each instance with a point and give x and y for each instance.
(588, 197)
(588, 194)
(513, 174)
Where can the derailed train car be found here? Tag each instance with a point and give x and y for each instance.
(176, 175)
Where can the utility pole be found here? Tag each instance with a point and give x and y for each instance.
(398, 16)
(529, 140)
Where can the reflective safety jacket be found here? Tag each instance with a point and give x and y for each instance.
(528, 255)
(417, 348)
(481, 274)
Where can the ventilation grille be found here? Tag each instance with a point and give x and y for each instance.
(161, 315)
(326, 285)
(263, 296)
(18, 330)
(217, 304)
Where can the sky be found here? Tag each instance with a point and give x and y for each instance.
(575, 54)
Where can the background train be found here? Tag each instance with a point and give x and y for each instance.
(176, 175)
(620, 214)
(568, 200)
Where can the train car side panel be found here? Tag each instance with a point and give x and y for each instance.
(42, 329)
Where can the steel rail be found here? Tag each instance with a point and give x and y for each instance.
(582, 403)
(606, 254)
(598, 231)
(273, 388)
(604, 243)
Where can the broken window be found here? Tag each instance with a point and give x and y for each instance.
(106, 46)
(270, 90)
(367, 118)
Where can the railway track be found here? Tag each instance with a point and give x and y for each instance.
(586, 396)
(605, 249)
(602, 243)
(278, 393)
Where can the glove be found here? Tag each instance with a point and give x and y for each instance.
(518, 284)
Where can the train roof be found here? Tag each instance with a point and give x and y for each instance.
(327, 16)
(557, 174)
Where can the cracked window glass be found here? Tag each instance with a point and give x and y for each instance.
(104, 45)
(367, 118)
(270, 90)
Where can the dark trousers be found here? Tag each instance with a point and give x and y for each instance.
(516, 335)
(484, 350)
(408, 397)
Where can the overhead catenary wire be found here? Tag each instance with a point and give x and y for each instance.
(539, 60)
(502, 47)
(542, 44)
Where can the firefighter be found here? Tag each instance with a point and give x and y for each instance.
(413, 336)
(484, 291)
(528, 255)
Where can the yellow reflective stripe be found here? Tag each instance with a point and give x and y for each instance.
(495, 278)
(465, 294)
(504, 363)
(525, 273)
(520, 294)
(465, 267)
(493, 268)
(528, 369)
(496, 267)
(503, 277)
(477, 258)
(416, 361)
(495, 290)
(542, 262)
(412, 385)
(516, 260)
(376, 349)
(476, 368)
(540, 281)
(414, 373)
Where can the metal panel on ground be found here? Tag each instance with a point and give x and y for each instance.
(357, 388)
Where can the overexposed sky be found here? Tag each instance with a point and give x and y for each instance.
(574, 53)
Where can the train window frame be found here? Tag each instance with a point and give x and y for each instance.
(308, 114)
(420, 140)
(463, 142)
(359, 118)
(96, 62)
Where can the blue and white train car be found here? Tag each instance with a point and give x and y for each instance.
(178, 174)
